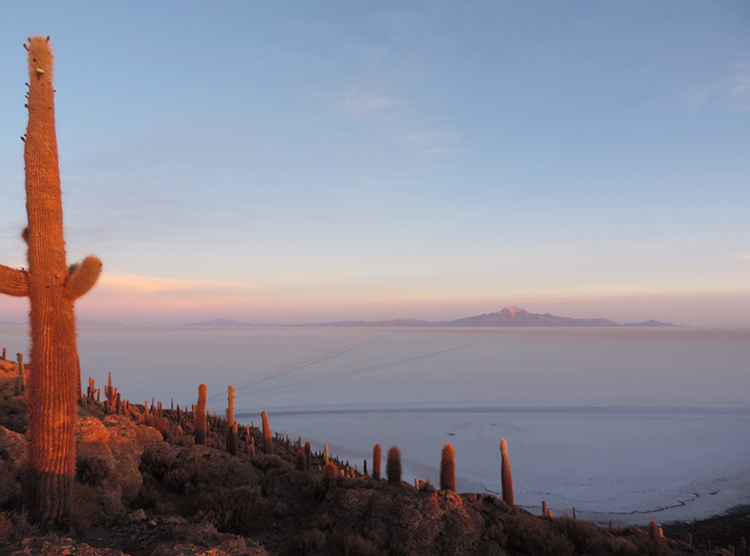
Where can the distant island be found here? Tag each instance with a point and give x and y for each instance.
(508, 317)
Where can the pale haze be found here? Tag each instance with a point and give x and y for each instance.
(300, 162)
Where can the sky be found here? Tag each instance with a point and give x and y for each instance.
(287, 162)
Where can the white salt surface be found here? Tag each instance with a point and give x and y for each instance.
(627, 425)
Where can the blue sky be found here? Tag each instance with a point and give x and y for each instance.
(296, 161)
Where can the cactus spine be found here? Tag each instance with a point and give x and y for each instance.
(448, 469)
(200, 415)
(506, 477)
(267, 438)
(393, 466)
(52, 289)
(376, 457)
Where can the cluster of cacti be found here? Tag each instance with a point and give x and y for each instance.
(113, 399)
(52, 288)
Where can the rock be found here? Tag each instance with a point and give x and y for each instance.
(138, 515)
(12, 458)
(127, 441)
(90, 430)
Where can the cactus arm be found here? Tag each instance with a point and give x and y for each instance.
(14, 282)
(83, 277)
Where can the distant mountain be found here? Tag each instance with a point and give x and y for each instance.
(220, 322)
(375, 323)
(89, 322)
(651, 322)
(510, 316)
(513, 316)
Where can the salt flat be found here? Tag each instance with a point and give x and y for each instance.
(627, 425)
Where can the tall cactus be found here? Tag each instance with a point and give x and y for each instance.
(376, 457)
(52, 288)
(506, 478)
(231, 425)
(199, 415)
(393, 466)
(267, 439)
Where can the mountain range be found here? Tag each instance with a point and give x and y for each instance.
(508, 317)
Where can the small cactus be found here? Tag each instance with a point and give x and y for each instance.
(308, 456)
(20, 382)
(393, 466)
(653, 529)
(267, 435)
(376, 457)
(325, 454)
(330, 472)
(199, 416)
(544, 508)
(506, 476)
(448, 469)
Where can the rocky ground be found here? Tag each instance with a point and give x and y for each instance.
(143, 487)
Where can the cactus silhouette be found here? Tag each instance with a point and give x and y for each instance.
(308, 456)
(376, 457)
(393, 466)
(448, 469)
(52, 289)
(506, 477)
(300, 461)
(199, 415)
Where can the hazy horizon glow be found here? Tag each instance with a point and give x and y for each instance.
(436, 160)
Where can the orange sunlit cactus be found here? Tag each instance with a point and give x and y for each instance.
(52, 288)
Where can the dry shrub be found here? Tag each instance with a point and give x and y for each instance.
(161, 424)
(6, 529)
(589, 539)
(158, 460)
(532, 536)
(323, 521)
(91, 470)
(264, 462)
(14, 527)
(177, 479)
(239, 510)
(354, 545)
(496, 532)
(198, 471)
(84, 507)
(305, 542)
